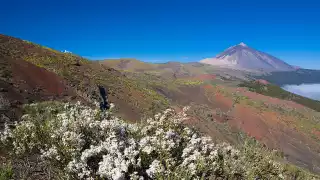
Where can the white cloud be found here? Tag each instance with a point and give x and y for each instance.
(307, 90)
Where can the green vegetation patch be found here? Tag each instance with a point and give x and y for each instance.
(277, 92)
(188, 82)
(6, 171)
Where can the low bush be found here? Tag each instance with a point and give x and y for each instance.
(6, 171)
(85, 143)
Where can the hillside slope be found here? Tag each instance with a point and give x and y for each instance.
(22, 82)
(81, 75)
(218, 107)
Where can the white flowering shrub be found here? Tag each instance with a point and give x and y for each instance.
(85, 143)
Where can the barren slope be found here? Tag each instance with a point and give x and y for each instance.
(22, 82)
(222, 110)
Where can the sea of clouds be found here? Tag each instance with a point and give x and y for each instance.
(307, 90)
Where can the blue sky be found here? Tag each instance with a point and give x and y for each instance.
(156, 31)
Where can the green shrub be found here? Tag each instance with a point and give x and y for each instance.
(6, 171)
(81, 142)
(278, 92)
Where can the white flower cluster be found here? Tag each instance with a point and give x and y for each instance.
(91, 144)
(4, 135)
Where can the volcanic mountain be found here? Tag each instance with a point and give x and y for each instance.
(244, 57)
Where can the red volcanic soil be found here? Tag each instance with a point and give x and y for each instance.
(316, 133)
(27, 83)
(247, 120)
(185, 95)
(208, 86)
(217, 98)
(262, 81)
(30, 77)
(269, 100)
(222, 102)
(270, 127)
(278, 131)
